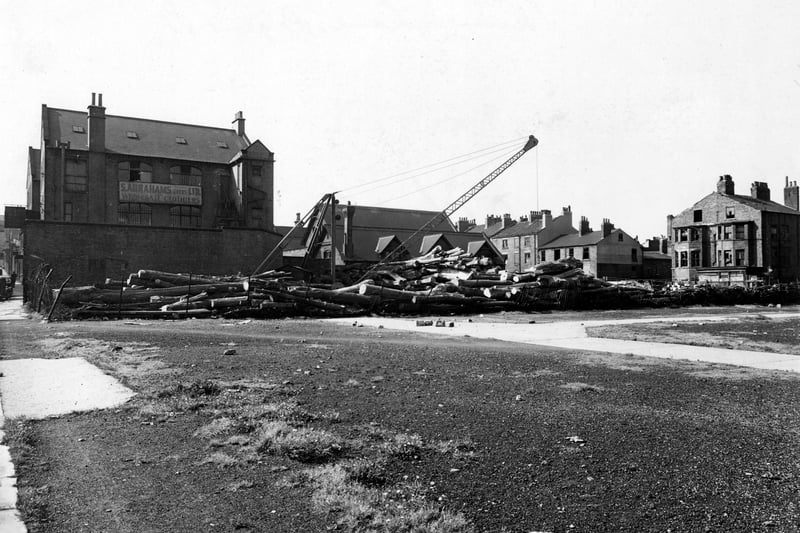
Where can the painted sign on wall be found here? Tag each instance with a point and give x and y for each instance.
(160, 193)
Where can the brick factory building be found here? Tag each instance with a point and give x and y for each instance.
(109, 194)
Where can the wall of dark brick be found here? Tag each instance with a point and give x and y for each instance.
(93, 252)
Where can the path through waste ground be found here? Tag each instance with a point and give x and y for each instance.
(39, 388)
(572, 335)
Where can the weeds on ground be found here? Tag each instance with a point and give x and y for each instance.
(306, 445)
(22, 439)
(352, 474)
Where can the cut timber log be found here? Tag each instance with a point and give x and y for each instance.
(175, 279)
(497, 293)
(344, 298)
(387, 293)
(481, 283)
(91, 294)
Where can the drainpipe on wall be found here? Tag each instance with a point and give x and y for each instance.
(60, 212)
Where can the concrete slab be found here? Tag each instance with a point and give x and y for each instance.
(572, 335)
(12, 309)
(38, 388)
(6, 466)
(11, 523)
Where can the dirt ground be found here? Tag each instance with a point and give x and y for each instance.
(302, 425)
(756, 333)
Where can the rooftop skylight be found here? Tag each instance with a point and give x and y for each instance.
(132, 134)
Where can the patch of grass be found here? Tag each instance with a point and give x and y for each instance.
(194, 389)
(582, 387)
(216, 427)
(33, 502)
(456, 447)
(367, 471)
(361, 508)
(403, 445)
(237, 486)
(306, 445)
(220, 459)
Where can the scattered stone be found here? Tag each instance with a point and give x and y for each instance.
(229, 351)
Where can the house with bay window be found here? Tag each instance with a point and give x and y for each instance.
(110, 194)
(728, 238)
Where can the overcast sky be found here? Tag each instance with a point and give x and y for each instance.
(638, 106)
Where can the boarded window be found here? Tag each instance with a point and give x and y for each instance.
(75, 178)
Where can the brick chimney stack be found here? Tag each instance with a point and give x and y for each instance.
(584, 226)
(791, 195)
(608, 227)
(96, 122)
(465, 223)
(491, 220)
(759, 190)
(725, 184)
(507, 220)
(239, 121)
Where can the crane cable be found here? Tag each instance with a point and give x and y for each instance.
(453, 162)
(503, 156)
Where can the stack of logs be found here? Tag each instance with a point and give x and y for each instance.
(438, 283)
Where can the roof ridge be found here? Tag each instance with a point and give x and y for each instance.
(151, 120)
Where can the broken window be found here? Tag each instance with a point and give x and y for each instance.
(135, 171)
(682, 235)
(694, 234)
(504, 244)
(730, 212)
(527, 257)
(726, 232)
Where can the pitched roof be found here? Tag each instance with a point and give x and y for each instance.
(574, 239)
(154, 138)
(429, 241)
(763, 205)
(520, 228)
(384, 242)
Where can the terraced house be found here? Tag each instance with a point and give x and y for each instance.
(108, 194)
(728, 238)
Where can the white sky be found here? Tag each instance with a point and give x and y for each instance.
(638, 106)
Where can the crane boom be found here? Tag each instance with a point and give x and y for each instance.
(464, 198)
(467, 196)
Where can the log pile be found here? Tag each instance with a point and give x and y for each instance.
(442, 282)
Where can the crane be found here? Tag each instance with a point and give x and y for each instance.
(459, 202)
(316, 217)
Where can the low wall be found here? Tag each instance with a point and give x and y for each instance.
(93, 252)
